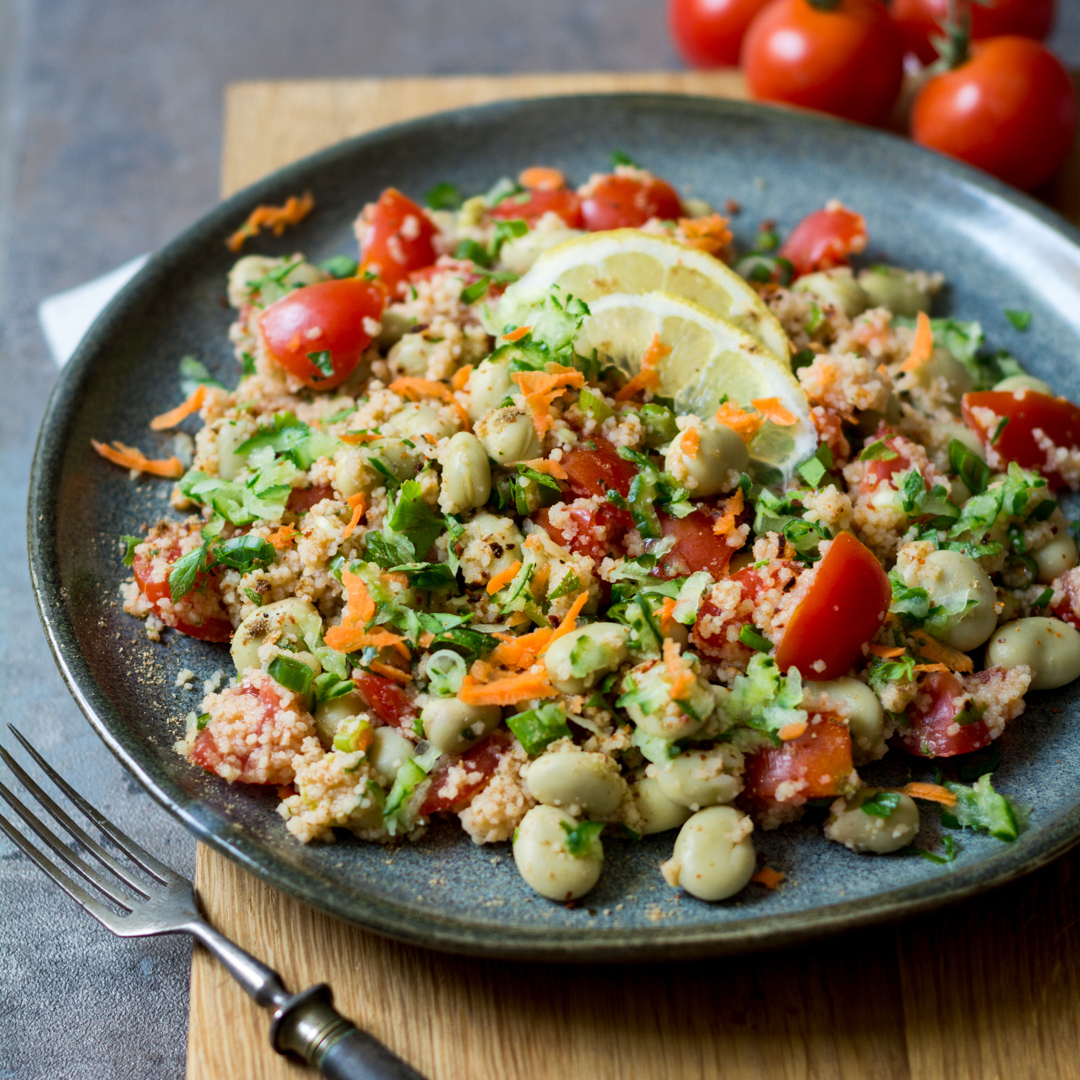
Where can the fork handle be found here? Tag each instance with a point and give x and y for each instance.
(309, 1025)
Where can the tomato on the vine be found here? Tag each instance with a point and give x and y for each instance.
(625, 202)
(1009, 109)
(844, 57)
(709, 33)
(398, 239)
(825, 239)
(922, 20)
(319, 332)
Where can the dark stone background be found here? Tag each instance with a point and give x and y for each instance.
(110, 132)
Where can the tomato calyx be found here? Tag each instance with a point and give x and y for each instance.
(824, 5)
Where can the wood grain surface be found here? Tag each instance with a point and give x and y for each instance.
(986, 991)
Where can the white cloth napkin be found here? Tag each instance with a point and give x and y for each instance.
(67, 316)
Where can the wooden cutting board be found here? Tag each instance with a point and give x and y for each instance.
(986, 991)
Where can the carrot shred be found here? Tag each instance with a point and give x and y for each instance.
(709, 234)
(507, 691)
(518, 618)
(518, 334)
(792, 731)
(768, 877)
(929, 792)
(131, 457)
(541, 388)
(354, 438)
(519, 652)
(359, 505)
(648, 378)
(503, 577)
(461, 377)
(771, 409)
(937, 653)
(569, 624)
(388, 671)
(932, 667)
(682, 679)
(887, 652)
(351, 634)
(923, 346)
(667, 613)
(732, 509)
(547, 467)
(425, 640)
(283, 537)
(411, 385)
(745, 425)
(174, 416)
(277, 218)
(690, 442)
(541, 178)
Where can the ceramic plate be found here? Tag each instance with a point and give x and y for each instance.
(997, 249)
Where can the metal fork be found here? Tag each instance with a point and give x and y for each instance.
(305, 1025)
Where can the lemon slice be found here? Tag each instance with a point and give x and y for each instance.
(631, 261)
(709, 357)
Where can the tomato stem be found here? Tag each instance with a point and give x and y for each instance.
(824, 5)
(954, 43)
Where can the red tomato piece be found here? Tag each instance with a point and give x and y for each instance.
(199, 615)
(303, 499)
(1027, 412)
(846, 59)
(398, 239)
(335, 317)
(825, 238)
(720, 641)
(881, 469)
(391, 703)
(830, 429)
(1010, 109)
(480, 764)
(928, 734)
(595, 531)
(534, 203)
(697, 547)
(625, 202)
(843, 610)
(819, 760)
(597, 471)
(709, 33)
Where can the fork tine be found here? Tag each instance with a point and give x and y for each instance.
(76, 892)
(58, 847)
(133, 851)
(65, 822)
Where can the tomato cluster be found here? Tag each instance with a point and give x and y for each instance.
(1004, 103)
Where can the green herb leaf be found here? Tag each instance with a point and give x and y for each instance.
(569, 585)
(1020, 319)
(881, 805)
(323, 361)
(584, 839)
(878, 451)
(477, 253)
(969, 467)
(340, 266)
(247, 364)
(981, 807)
(812, 471)
(244, 553)
(184, 572)
(619, 158)
(193, 374)
(443, 197)
(131, 543)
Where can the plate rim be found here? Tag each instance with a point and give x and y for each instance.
(429, 929)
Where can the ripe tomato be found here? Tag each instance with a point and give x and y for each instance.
(848, 60)
(1010, 110)
(882, 470)
(480, 763)
(534, 203)
(929, 721)
(820, 757)
(332, 317)
(398, 239)
(625, 202)
(697, 547)
(1056, 418)
(594, 531)
(922, 20)
(301, 500)
(595, 472)
(709, 33)
(388, 701)
(843, 610)
(825, 238)
(200, 614)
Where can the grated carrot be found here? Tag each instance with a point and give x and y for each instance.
(547, 467)
(938, 653)
(388, 671)
(277, 218)
(359, 606)
(518, 618)
(922, 347)
(174, 416)
(410, 385)
(541, 388)
(359, 505)
(690, 442)
(667, 614)
(461, 377)
(503, 578)
(768, 877)
(283, 537)
(541, 178)
(518, 334)
(354, 438)
(771, 409)
(745, 425)
(519, 652)
(569, 624)
(425, 639)
(709, 234)
(792, 731)
(887, 652)
(648, 378)
(732, 509)
(508, 691)
(682, 679)
(352, 634)
(932, 667)
(929, 793)
(131, 457)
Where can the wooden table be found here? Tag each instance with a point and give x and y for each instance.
(986, 991)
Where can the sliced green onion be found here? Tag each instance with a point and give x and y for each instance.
(445, 672)
(749, 636)
(293, 674)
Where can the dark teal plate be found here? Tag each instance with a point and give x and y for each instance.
(997, 249)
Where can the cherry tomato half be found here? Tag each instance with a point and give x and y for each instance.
(696, 547)
(388, 701)
(848, 60)
(1026, 411)
(597, 471)
(1010, 109)
(625, 202)
(843, 610)
(479, 763)
(709, 33)
(534, 203)
(928, 732)
(824, 239)
(332, 317)
(398, 239)
(922, 20)
(820, 757)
